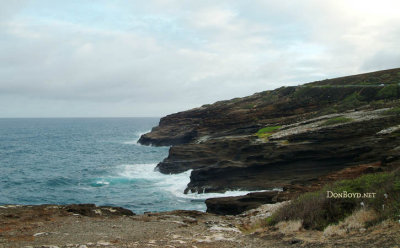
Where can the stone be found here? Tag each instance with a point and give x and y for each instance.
(104, 243)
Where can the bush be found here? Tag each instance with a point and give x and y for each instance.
(358, 219)
(317, 211)
(388, 92)
(353, 100)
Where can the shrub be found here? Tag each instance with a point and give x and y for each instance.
(358, 219)
(317, 211)
(336, 120)
(351, 101)
(388, 92)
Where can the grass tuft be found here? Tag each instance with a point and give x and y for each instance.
(267, 131)
(336, 120)
(357, 220)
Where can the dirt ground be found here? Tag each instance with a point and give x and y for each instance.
(54, 226)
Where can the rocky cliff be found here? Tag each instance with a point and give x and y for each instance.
(284, 137)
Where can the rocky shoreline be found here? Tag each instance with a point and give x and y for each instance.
(297, 139)
(316, 129)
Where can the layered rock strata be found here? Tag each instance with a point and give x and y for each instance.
(309, 132)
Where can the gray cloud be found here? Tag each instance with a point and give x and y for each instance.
(158, 57)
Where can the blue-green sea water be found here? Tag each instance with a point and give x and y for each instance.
(89, 160)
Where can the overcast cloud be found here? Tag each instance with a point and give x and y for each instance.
(152, 58)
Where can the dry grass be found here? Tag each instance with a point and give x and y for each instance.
(255, 220)
(249, 228)
(353, 222)
(287, 227)
(317, 211)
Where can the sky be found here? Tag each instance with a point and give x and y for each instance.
(120, 58)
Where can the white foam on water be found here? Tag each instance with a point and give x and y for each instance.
(204, 196)
(102, 182)
(130, 142)
(138, 134)
(148, 172)
(172, 183)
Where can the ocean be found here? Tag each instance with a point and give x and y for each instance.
(89, 160)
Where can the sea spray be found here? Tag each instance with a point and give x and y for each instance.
(173, 183)
(135, 140)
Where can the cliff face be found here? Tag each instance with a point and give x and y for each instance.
(288, 136)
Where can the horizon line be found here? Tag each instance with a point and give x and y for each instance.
(80, 117)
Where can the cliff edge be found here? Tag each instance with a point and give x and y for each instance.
(290, 136)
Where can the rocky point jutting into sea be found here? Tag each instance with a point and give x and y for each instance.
(297, 139)
(291, 138)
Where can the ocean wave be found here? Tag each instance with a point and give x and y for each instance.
(174, 184)
(134, 141)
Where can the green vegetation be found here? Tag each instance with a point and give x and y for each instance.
(317, 210)
(352, 101)
(390, 91)
(328, 110)
(378, 104)
(368, 82)
(393, 111)
(267, 131)
(270, 98)
(249, 106)
(303, 91)
(336, 120)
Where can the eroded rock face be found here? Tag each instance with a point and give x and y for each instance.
(322, 127)
(239, 204)
(249, 163)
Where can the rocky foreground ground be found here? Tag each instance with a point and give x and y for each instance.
(83, 226)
